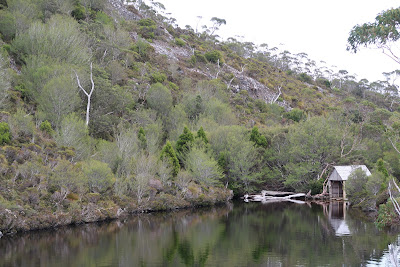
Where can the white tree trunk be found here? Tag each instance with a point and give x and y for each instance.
(89, 95)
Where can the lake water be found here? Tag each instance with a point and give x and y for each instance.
(238, 234)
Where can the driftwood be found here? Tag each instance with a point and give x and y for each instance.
(275, 196)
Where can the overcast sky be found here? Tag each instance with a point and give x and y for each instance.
(316, 27)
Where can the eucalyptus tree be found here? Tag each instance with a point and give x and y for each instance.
(383, 33)
(217, 22)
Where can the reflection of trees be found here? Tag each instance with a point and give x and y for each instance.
(251, 234)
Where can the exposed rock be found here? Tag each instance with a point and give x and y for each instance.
(120, 7)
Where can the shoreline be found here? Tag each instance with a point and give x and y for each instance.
(14, 222)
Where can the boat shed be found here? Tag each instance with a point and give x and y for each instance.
(339, 176)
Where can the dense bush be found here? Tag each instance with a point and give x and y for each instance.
(5, 135)
(46, 127)
(179, 42)
(147, 28)
(99, 176)
(295, 115)
(214, 56)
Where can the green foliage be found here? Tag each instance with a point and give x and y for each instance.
(103, 18)
(168, 154)
(21, 126)
(258, 138)
(201, 134)
(184, 144)
(295, 115)
(380, 167)
(5, 135)
(45, 126)
(380, 32)
(4, 80)
(316, 186)
(99, 176)
(79, 12)
(159, 98)
(158, 77)
(147, 28)
(7, 25)
(142, 48)
(311, 144)
(179, 42)
(387, 216)
(355, 186)
(305, 78)
(59, 39)
(142, 138)
(58, 98)
(204, 168)
(65, 178)
(214, 56)
(73, 132)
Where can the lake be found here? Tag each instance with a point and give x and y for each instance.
(237, 234)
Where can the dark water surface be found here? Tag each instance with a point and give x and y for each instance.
(239, 234)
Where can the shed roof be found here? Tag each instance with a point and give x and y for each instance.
(345, 171)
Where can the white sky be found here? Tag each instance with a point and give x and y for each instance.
(317, 27)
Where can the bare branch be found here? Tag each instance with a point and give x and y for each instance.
(89, 95)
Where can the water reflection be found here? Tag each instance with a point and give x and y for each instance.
(243, 234)
(336, 212)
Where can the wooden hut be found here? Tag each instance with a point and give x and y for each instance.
(337, 180)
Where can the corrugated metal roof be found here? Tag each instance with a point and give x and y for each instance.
(345, 171)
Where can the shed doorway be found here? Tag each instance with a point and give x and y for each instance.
(337, 189)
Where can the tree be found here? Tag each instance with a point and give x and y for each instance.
(201, 134)
(168, 153)
(73, 132)
(60, 38)
(159, 98)
(58, 98)
(204, 167)
(88, 95)
(184, 143)
(258, 138)
(99, 176)
(217, 22)
(142, 138)
(143, 168)
(356, 186)
(382, 34)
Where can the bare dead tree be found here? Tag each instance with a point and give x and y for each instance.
(88, 95)
(393, 248)
(274, 99)
(233, 78)
(218, 70)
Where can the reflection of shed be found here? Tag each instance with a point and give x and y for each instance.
(338, 178)
(337, 218)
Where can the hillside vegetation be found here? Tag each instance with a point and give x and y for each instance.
(109, 109)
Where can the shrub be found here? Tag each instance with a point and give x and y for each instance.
(199, 57)
(214, 56)
(21, 125)
(99, 176)
(179, 42)
(159, 98)
(147, 28)
(5, 136)
(295, 115)
(158, 77)
(46, 127)
(168, 154)
(305, 78)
